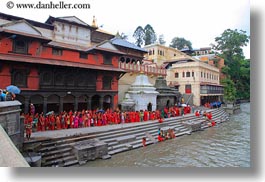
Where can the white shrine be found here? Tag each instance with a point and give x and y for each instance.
(143, 93)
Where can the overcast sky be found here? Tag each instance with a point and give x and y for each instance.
(198, 21)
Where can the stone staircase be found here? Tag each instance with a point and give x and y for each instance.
(59, 153)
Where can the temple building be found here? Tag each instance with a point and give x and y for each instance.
(198, 81)
(62, 64)
(167, 96)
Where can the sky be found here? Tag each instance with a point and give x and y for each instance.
(198, 21)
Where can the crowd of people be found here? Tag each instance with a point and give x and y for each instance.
(90, 118)
(6, 96)
(207, 115)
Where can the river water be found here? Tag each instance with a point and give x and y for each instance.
(225, 145)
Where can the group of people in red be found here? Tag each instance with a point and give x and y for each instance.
(90, 118)
(207, 115)
(169, 134)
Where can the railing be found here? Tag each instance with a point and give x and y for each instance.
(143, 68)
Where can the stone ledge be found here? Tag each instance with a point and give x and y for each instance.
(9, 154)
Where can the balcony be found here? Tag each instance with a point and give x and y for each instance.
(135, 68)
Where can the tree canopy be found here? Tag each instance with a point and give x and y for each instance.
(139, 36)
(144, 35)
(161, 39)
(180, 43)
(229, 46)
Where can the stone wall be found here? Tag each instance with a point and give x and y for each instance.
(11, 121)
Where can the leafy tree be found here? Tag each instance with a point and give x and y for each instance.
(149, 35)
(144, 35)
(230, 43)
(229, 46)
(139, 36)
(161, 40)
(180, 43)
(229, 90)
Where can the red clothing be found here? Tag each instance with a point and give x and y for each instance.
(28, 122)
(160, 138)
(209, 116)
(145, 115)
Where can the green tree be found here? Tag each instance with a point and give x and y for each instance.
(161, 39)
(180, 43)
(230, 43)
(229, 46)
(149, 35)
(229, 90)
(139, 36)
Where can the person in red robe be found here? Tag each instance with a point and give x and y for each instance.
(58, 122)
(47, 123)
(37, 117)
(137, 116)
(118, 117)
(144, 141)
(52, 122)
(145, 115)
(160, 138)
(197, 114)
(132, 116)
(42, 122)
(209, 115)
(29, 121)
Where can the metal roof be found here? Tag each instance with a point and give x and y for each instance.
(124, 43)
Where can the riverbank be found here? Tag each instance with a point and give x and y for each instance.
(225, 145)
(56, 147)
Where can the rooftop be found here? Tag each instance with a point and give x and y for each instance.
(124, 43)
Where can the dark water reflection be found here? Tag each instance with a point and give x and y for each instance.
(226, 145)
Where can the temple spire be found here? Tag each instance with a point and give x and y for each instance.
(94, 23)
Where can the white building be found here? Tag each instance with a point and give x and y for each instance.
(196, 80)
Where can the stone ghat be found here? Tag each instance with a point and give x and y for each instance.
(78, 146)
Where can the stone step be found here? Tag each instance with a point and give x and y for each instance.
(118, 140)
(55, 156)
(60, 161)
(119, 150)
(67, 149)
(71, 163)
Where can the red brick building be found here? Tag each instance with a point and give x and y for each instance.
(62, 64)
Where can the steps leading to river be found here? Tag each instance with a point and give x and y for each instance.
(58, 151)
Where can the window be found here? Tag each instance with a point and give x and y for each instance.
(201, 74)
(150, 52)
(183, 74)
(107, 83)
(192, 74)
(57, 52)
(176, 75)
(187, 74)
(20, 46)
(187, 89)
(83, 55)
(107, 59)
(19, 78)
